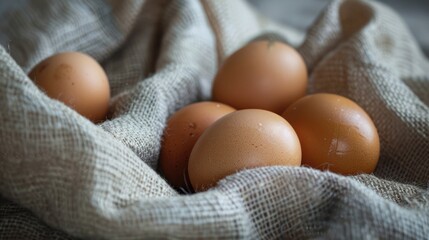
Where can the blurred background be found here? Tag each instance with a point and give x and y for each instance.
(300, 14)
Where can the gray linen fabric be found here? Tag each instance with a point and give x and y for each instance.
(62, 177)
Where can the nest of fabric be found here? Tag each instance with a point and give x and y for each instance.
(62, 176)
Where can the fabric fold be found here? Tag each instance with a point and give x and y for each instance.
(63, 177)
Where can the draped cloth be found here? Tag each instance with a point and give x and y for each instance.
(63, 177)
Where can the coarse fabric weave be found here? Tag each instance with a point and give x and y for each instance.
(62, 177)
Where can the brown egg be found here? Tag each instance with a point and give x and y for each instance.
(335, 134)
(183, 129)
(266, 75)
(243, 139)
(77, 80)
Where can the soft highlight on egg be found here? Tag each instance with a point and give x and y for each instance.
(335, 133)
(242, 140)
(264, 74)
(77, 80)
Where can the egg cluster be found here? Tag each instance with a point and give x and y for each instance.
(259, 116)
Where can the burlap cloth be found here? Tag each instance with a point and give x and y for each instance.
(63, 177)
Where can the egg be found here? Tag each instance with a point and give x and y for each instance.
(77, 80)
(336, 134)
(242, 140)
(183, 129)
(264, 74)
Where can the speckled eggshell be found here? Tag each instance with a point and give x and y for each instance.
(77, 80)
(183, 129)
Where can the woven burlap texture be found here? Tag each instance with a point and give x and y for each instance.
(62, 177)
